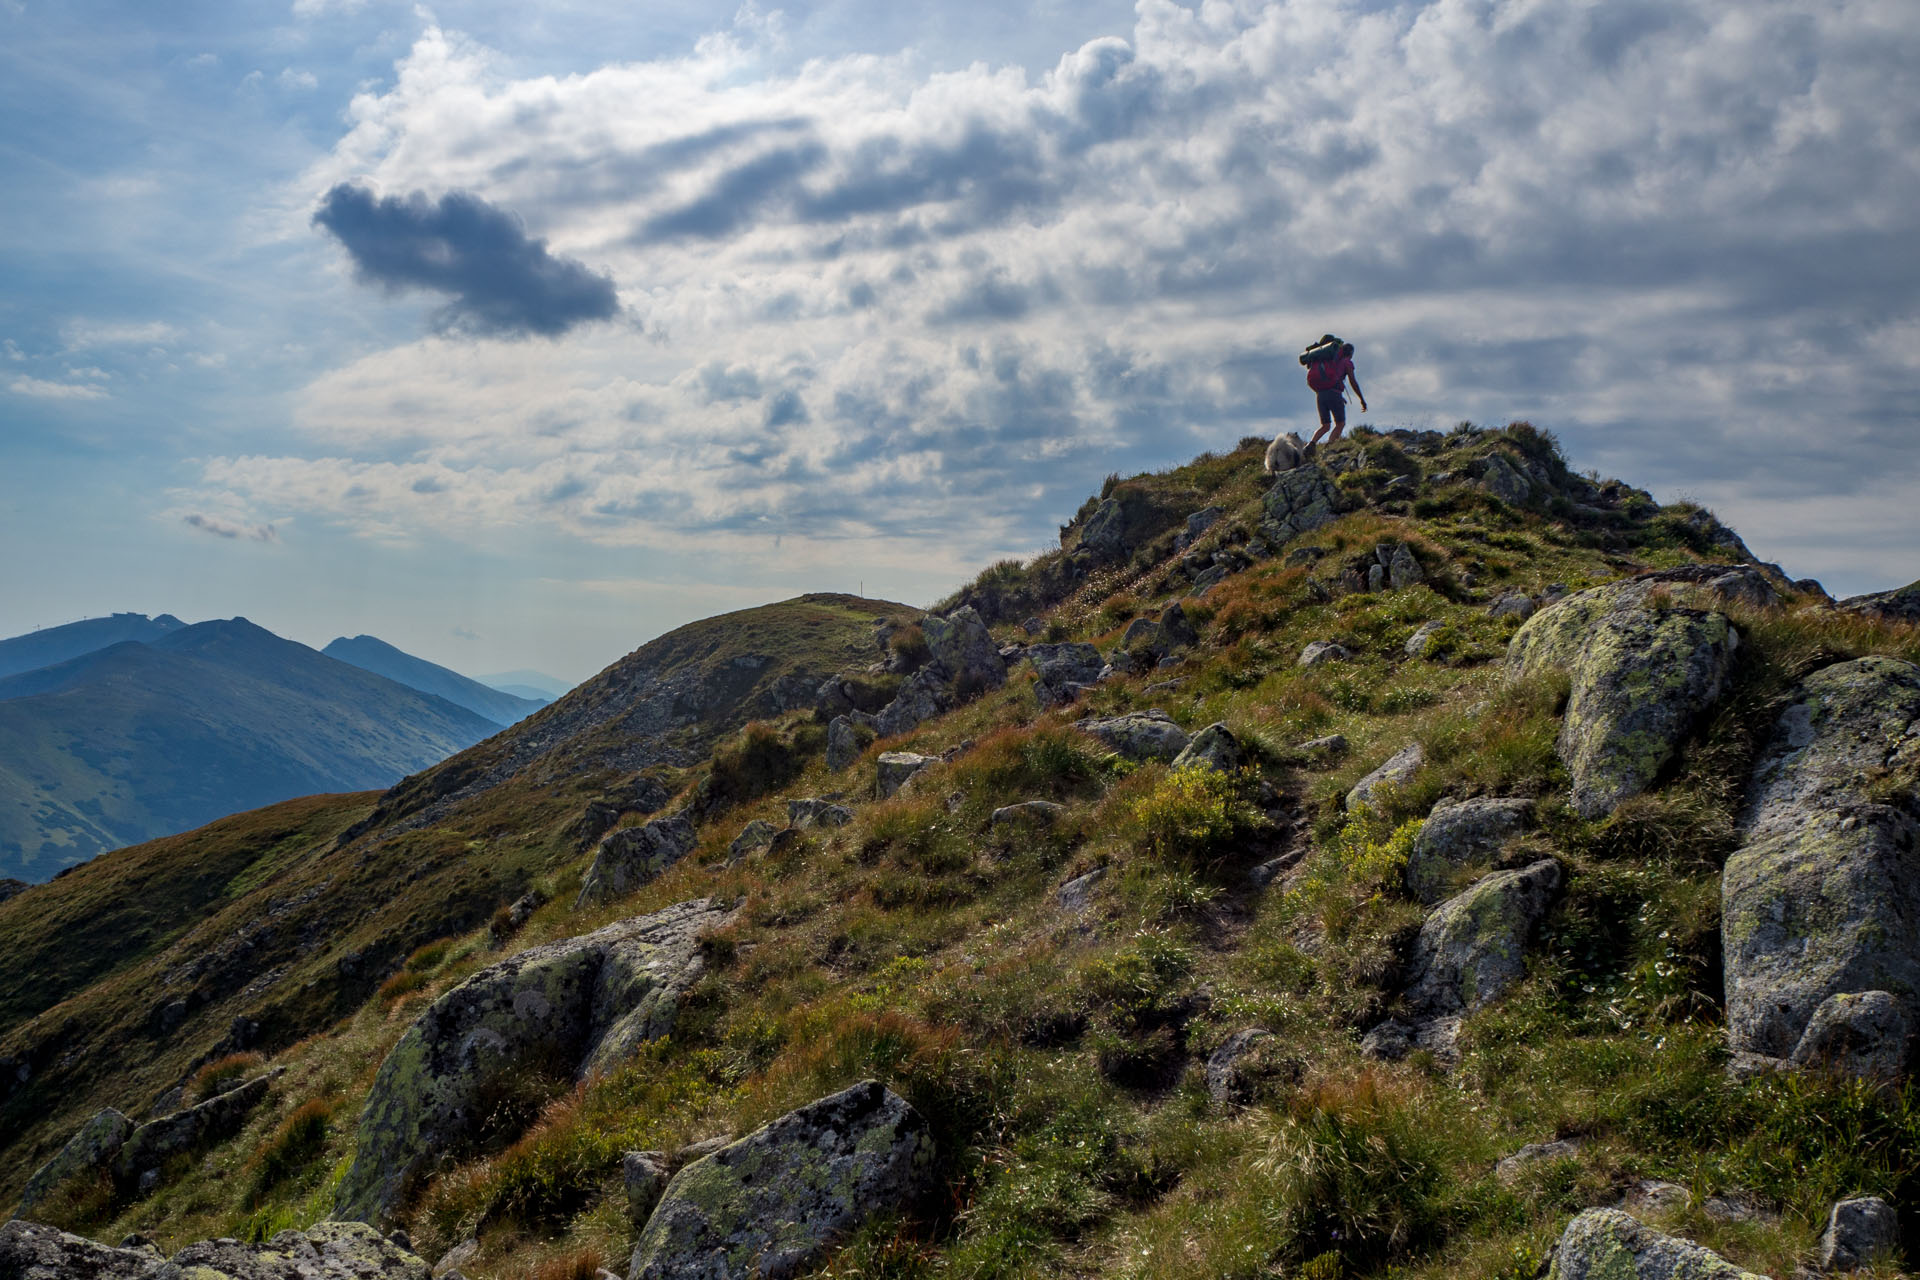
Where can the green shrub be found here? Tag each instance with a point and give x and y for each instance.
(1192, 813)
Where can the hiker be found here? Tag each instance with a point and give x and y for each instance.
(1328, 376)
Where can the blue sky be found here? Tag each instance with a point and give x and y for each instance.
(517, 336)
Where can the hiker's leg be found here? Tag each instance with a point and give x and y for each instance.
(1339, 421)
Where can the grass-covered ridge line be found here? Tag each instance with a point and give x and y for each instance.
(1059, 1055)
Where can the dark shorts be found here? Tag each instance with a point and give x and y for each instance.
(1333, 408)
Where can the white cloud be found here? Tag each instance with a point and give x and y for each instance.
(320, 8)
(924, 313)
(42, 389)
(82, 335)
(298, 80)
(220, 527)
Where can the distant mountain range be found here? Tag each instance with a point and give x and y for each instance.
(381, 658)
(167, 726)
(526, 684)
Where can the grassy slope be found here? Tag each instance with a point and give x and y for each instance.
(1059, 1057)
(285, 923)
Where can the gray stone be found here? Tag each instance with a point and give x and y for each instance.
(1534, 1153)
(1043, 811)
(1651, 1196)
(1227, 1083)
(92, 1148)
(1208, 579)
(1403, 568)
(773, 1203)
(632, 856)
(1214, 748)
(757, 834)
(895, 767)
(846, 739)
(566, 1010)
(815, 812)
(923, 696)
(1321, 652)
(1105, 531)
(1300, 501)
(1334, 744)
(1859, 1033)
(1606, 1244)
(1473, 947)
(1390, 1041)
(1746, 585)
(459, 1256)
(1064, 671)
(325, 1251)
(1034, 626)
(1643, 670)
(1176, 631)
(1159, 687)
(1499, 478)
(1458, 833)
(1823, 897)
(149, 1147)
(1514, 604)
(1416, 645)
(1198, 523)
(961, 644)
(1736, 1206)
(1899, 605)
(1141, 631)
(1077, 894)
(645, 1174)
(1138, 735)
(1396, 772)
(1859, 1232)
(1376, 577)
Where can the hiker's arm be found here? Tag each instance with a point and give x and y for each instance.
(1355, 380)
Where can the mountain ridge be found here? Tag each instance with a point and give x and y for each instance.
(373, 654)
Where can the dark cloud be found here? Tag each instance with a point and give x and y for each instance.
(786, 408)
(220, 528)
(740, 193)
(502, 282)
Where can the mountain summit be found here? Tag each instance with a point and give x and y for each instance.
(381, 658)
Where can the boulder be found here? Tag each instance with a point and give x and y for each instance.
(1899, 605)
(1141, 631)
(1105, 531)
(1606, 1244)
(961, 645)
(1214, 748)
(1399, 566)
(138, 1163)
(1321, 652)
(897, 766)
(1330, 747)
(1076, 895)
(1197, 523)
(1515, 604)
(923, 696)
(1457, 833)
(1138, 735)
(1858, 1033)
(562, 1010)
(1065, 671)
(1473, 947)
(1510, 1169)
(1043, 811)
(1175, 631)
(632, 856)
(1744, 584)
(1396, 772)
(92, 1148)
(757, 834)
(847, 737)
(1300, 501)
(1503, 480)
(1416, 645)
(773, 1203)
(1823, 897)
(815, 812)
(1859, 1232)
(645, 1174)
(1207, 579)
(325, 1251)
(1642, 668)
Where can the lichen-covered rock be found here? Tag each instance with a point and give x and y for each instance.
(1197, 523)
(1065, 671)
(1138, 735)
(895, 767)
(645, 1174)
(1859, 1033)
(1106, 529)
(148, 1148)
(1473, 947)
(1511, 1169)
(961, 644)
(1899, 605)
(774, 1202)
(1076, 895)
(757, 834)
(1859, 1232)
(1416, 645)
(1141, 631)
(1208, 579)
(815, 812)
(921, 698)
(1458, 833)
(1214, 748)
(1300, 501)
(1175, 631)
(93, 1147)
(847, 737)
(325, 1251)
(562, 1010)
(632, 856)
(1396, 772)
(1501, 479)
(1642, 668)
(1823, 898)
(1320, 652)
(1606, 1244)
(1515, 604)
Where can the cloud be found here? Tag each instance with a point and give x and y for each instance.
(464, 633)
(502, 283)
(41, 389)
(81, 335)
(222, 528)
(320, 8)
(298, 80)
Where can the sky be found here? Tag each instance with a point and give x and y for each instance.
(517, 335)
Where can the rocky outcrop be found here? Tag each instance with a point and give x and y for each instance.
(90, 1149)
(562, 1010)
(325, 1251)
(812, 811)
(895, 767)
(1396, 772)
(962, 646)
(632, 856)
(1065, 671)
(847, 737)
(774, 1202)
(1300, 501)
(1457, 834)
(921, 698)
(1215, 748)
(1606, 1244)
(1502, 479)
(1642, 668)
(1138, 735)
(1823, 898)
(1473, 947)
(757, 834)
(1899, 605)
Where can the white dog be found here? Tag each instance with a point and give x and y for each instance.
(1285, 453)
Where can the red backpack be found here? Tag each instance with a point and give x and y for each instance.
(1328, 375)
